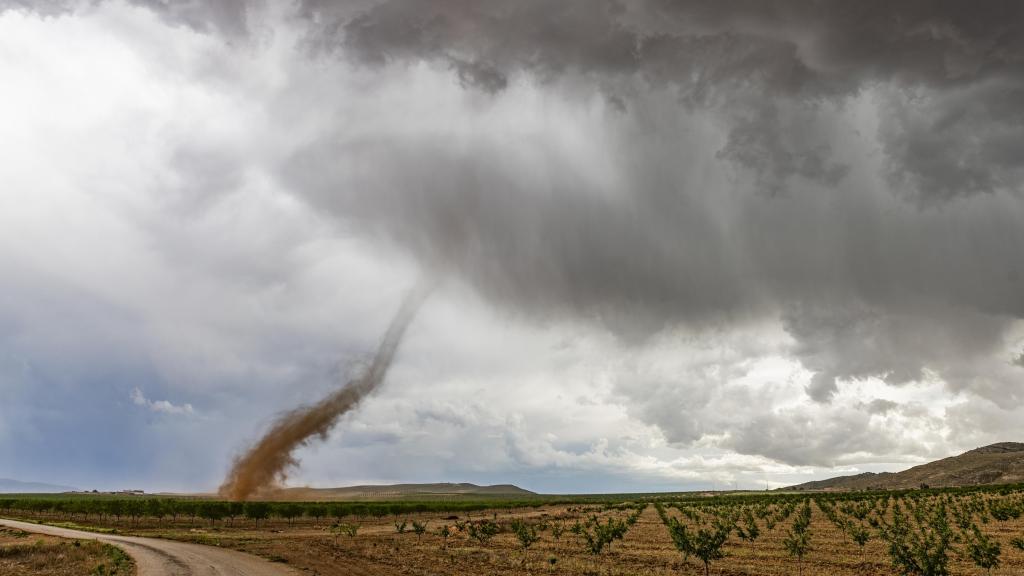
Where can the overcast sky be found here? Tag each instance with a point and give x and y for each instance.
(680, 244)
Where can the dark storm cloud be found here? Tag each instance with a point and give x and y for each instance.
(881, 406)
(228, 17)
(749, 178)
(895, 343)
(231, 18)
(963, 63)
(954, 125)
(867, 284)
(871, 285)
(542, 242)
(42, 7)
(887, 283)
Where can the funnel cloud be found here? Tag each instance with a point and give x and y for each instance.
(265, 465)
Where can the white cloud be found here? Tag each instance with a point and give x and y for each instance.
(162, 406)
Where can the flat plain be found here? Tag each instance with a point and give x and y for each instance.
(964, 530)
(26, 554)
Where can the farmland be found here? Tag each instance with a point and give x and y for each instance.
(955, 531)
(25, 554)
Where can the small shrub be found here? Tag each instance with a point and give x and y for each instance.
(860, 535)
(339, 529)
(483, 531)
(919, 547)
(749, 530)
(419, 529)
(525, 533)
(798, 539)
(983, 550)
(445, 532)
(598, 535)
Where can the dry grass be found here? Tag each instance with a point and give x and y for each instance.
(24, 554)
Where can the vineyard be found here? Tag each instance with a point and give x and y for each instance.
(919, 532)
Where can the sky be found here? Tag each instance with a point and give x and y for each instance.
(678, 245)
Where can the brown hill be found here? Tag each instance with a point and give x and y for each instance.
(1001, 463)
(401, 491)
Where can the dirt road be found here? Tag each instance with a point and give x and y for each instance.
(168, 558)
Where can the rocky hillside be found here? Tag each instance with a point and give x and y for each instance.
(1001, 463)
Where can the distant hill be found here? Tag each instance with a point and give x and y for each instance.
(402, 491)
(8, 486)
(1001, 463)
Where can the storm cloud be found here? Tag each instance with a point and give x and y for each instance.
(837, 184)
(853, 169)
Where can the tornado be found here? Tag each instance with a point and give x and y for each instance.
(266, 464)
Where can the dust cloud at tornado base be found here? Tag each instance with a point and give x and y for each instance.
(265, 465)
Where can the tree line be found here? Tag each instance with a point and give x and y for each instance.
(173, 509)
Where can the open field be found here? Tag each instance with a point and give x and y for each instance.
(163, 557)
(25, 554)
(775, 534)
